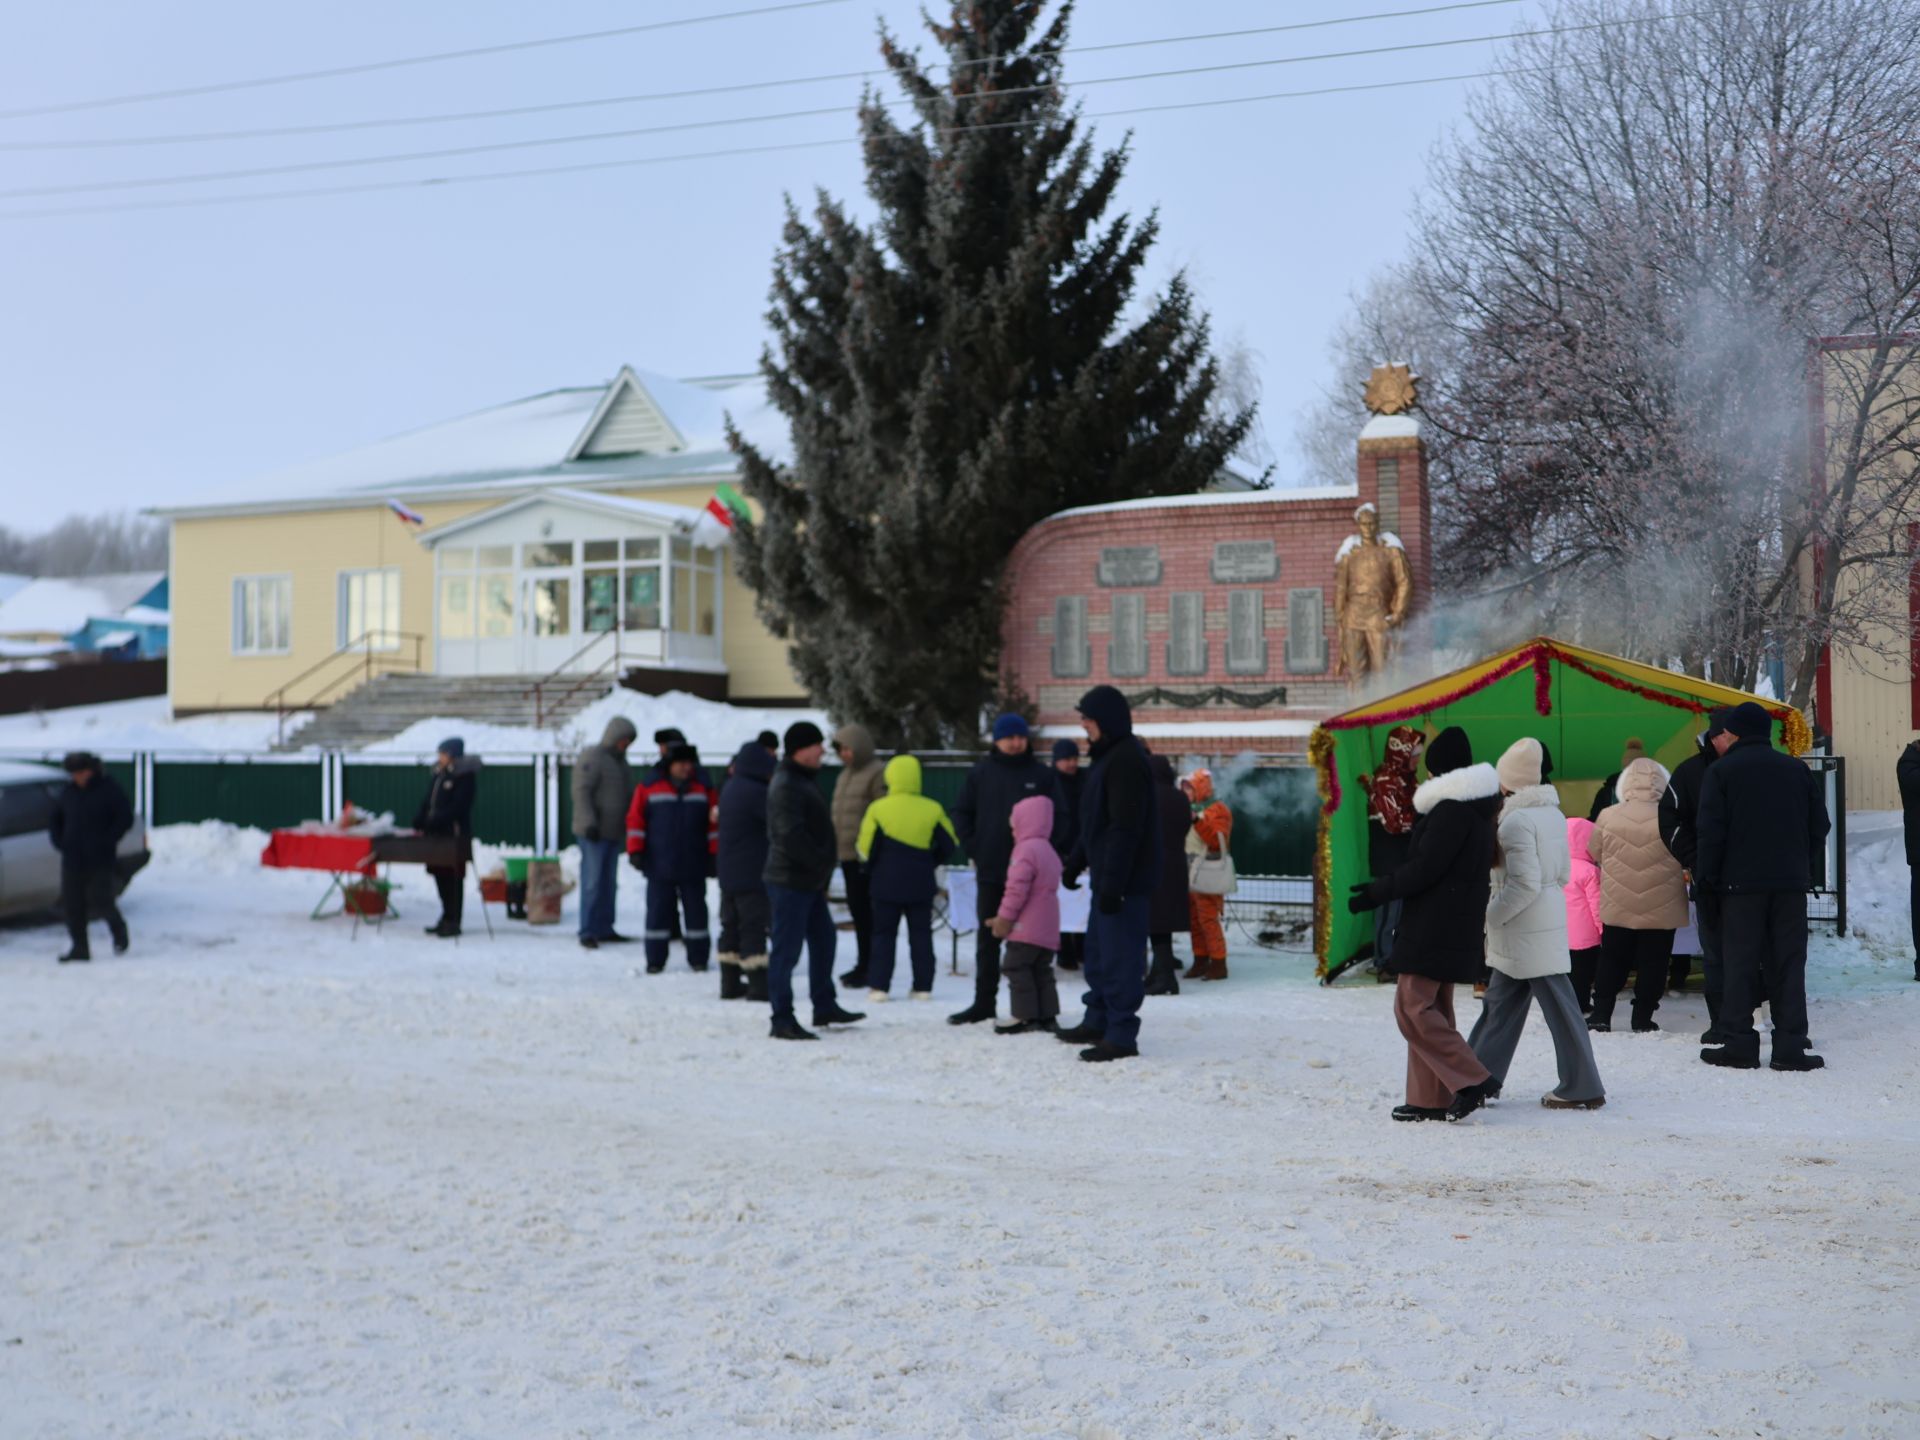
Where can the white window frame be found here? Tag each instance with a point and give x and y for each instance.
(343, 635)
(234, 605)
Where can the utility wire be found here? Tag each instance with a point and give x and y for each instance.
(516, 111)
(196, 202)
(438, 57)
(495, 147)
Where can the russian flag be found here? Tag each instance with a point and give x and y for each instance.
(410, 516)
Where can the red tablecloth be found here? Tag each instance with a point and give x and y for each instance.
(302, 850)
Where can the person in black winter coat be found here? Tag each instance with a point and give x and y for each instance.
(1679, 831)
(1066, 813)
(89, 818)
(448, 810)
(742, 873)
(1907, 772)
(1167, 913)
(1444, 885)
(802, 854)
(1119, 852)
(1763, 821)
(983, 818)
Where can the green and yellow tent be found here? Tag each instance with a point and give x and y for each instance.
(1583, 704)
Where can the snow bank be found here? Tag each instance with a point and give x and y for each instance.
(145, 724)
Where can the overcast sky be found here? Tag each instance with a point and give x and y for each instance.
(147, 355)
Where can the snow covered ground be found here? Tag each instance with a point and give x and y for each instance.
(262, 1179)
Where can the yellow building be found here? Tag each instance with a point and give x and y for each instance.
(1867, 691)
(546, 533)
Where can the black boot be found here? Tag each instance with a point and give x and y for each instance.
(1728, 1059)
(1026, 1027)
(1468, 1100)
(856, 978)
(972, 1015)
(757, 984)
(733, 985)
(1102, 1051)
(1164, 977)
(1801, 1061)
(788, 1028)
(1418, 1112)
(75, 956)
(1081, 1034)
(834, 1015)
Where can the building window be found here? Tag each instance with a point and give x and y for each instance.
(1127, 650)
(1187, 633)
(369, 609)
(262, 614)
(550, 604)
(456, 607)
(547, 555)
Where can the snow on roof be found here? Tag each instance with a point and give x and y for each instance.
(9, 583)
(54, 606)
(114, 639)
(1352, 543)
(1203, 729)
(146, 615)
(1213, 497)
(654, 511)
(1390, 427)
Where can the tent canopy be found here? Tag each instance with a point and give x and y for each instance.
(1582, 704)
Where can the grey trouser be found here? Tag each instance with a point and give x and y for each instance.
(1496, 1034)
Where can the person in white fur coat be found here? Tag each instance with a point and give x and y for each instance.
(1527, 935)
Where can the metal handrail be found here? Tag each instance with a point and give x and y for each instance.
(581, 680)
(360, 645)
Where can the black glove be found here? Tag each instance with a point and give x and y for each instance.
(592, 832)
(1362, 900)
(1109, 903)
(637, 860)
(1071, 879)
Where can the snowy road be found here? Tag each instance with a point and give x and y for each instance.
(260, 1180)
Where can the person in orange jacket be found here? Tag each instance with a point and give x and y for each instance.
(1212, 831)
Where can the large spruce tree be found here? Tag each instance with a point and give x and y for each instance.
(957, 371)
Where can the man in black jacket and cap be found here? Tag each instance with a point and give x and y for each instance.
(1907, 772)
(742, 871)
(447, 810)
(1066, 831)
(1007, 774)
(89, 817)
(1680, 832)
(1763, 818)
(802, 854)
(1119, 851)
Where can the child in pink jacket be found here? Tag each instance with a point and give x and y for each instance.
(1029, 919)
(1583, 913)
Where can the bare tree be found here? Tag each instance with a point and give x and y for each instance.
(87, 545)
(1629, 251)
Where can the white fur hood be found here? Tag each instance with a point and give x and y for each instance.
(1534, 797)
(1475, 782)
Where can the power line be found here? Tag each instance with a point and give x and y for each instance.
(547, 142)
(367, 67)
(196, 202)
(517, 111)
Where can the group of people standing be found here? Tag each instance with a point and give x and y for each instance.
(774, 841)
(1492, 879)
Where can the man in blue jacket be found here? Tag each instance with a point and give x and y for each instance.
(1119, 851)
(672, 838)
(743, 885)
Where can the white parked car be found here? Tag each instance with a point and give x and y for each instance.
(29, 865)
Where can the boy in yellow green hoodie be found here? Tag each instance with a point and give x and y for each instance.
(905, 838)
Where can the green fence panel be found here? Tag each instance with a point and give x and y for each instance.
(566, 804)
(266, 795)
(122, 773)
(503, 810)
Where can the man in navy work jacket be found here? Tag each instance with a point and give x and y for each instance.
(672, 837)
(1119, 851)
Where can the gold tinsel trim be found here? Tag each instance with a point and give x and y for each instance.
(1320, 753)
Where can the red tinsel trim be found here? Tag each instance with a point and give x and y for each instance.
(1543, 681)
(1645, 693)
(1414, 712)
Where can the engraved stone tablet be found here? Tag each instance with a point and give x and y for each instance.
(1246, 633)
(1244, 562)
(1307, 632)
(1071, 655)
(1187, 633)
(1129, 565)
(1127, 651)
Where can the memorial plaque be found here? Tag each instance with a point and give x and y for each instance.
(1129, 565)
(1246, 633)
(1127, 650)
(1307, 632)
(1386, 472)
(1187, 633)
(1244, 562)
(1071, 655)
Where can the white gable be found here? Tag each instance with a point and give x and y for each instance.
(627, 422)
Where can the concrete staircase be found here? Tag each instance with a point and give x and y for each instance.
(382, 707)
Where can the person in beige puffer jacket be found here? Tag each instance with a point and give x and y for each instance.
(1643, 897)
(863, 781)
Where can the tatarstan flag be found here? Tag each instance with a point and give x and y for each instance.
(716, 522)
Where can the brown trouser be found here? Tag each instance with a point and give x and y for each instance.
(1439, 1060)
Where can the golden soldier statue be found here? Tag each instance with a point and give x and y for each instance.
(1372, 588)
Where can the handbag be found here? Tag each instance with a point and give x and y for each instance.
(1209, 874)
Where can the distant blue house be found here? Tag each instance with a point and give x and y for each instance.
(119, 617)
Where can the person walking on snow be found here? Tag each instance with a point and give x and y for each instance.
(1445, 884)
(1643, 898)
(1001, 779)
(1208, 841)
(904, 839)
(1763, 820)
(1168, 914)
(801, 854)
(1527, 937)
(862, 782)
(1390, 820)
(602, 791)
(673, 838)
(448, 810)
(1907, 772)
(1029, 920)
(1680, 832)
(1119, 851)
(90, 816)
(1583, 912)
(1066, 830)
(741, 869)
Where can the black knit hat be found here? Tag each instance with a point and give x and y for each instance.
(802, 734)
(1066, 749)
(1449, 751)
(683, 752)
(767, 740)
(79, 760)
(1749, 722)
(669, 736)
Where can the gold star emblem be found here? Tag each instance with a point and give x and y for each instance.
(1391, 390)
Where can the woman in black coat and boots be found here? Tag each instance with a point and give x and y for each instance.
(1167, 911)
(448, 810)
(1445, 883)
